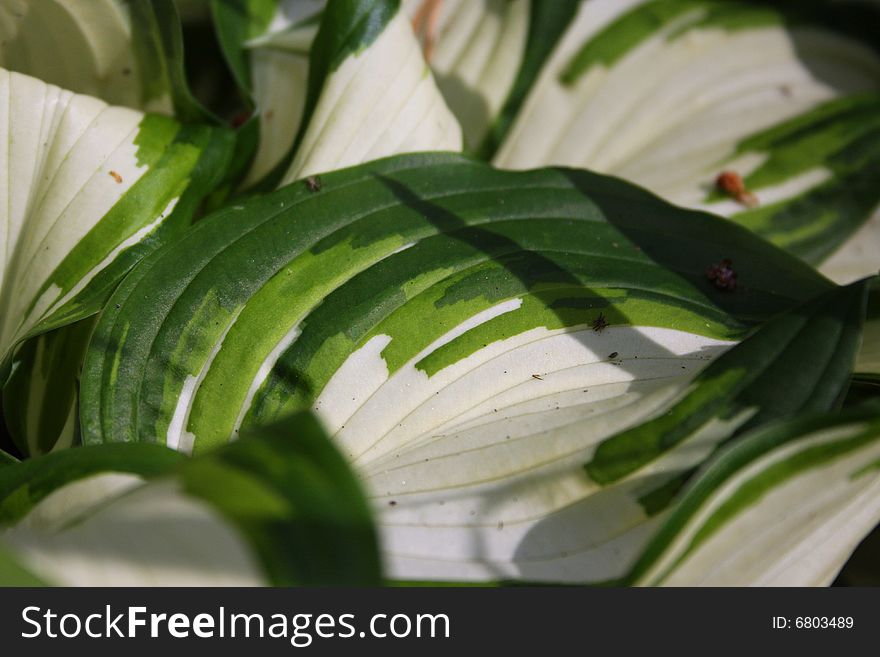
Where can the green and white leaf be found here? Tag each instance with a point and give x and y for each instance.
(369, 93)
(377, 95)
(438, 314)
(332, 88)
(668, 93)
(238, 22)
(279, 73)
(748, 386)
(486, 54)
(87, 47)
(476, 49)
(41, 398)
(482, 506)
(784, 506)
(277, 508)
(89, 189)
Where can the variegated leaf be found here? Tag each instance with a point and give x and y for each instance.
(88, 47)
(125, 52)
(276, 508)
(280, 72)
(671, 93)
(486, 54)
(785, 506)
(89, 189)
(351, 88)
(377, 96)
(475, 48)
(41, 398)
(447, 322)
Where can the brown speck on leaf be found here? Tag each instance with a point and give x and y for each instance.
(116, 177)
(537, 376)
(723, 275)
(269, 114)
(599, 324)
(126, 71)
(500, 525)
(613, 354)
(732, 184)
(314, 184)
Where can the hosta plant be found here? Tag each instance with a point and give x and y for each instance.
(439, 291)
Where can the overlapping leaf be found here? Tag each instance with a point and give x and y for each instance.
(280, 507)
(89, 189)
(339, 89)
(41, 398)
(512, 361)
(434, 310)
(125, 52)
(279, 65)
(475, 50)
(486, 54)
(786, 505)
(92, 48)
(509, 498)
(670, 93)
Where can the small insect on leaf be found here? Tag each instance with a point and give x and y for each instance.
(314, 184)
(538, 377)
(613, 354)
(732, 184)
(116, 177)
(599, 323)
(722, 274)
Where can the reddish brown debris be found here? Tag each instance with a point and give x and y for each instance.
(425, 25)
(116, 177)
(722, 275)
(240, 118)
(731, 183)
